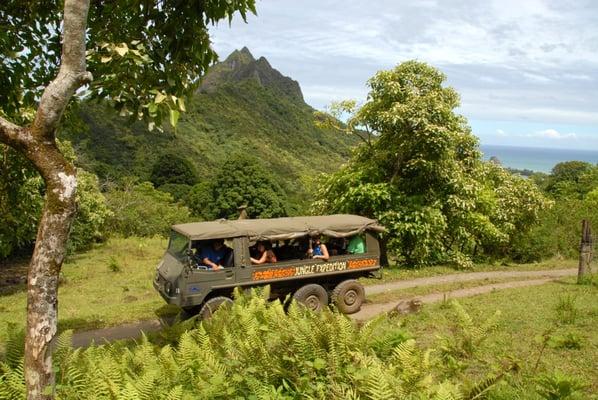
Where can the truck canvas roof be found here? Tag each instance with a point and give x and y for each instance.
(339, 225)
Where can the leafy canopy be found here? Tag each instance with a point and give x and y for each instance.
(423, 176)
(170, 168)
(144, 54)
(240, 181)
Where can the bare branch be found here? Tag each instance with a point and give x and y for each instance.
(72, 74)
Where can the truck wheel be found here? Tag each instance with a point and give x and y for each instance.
(189, 312)
(348, 296)
(312, 296)
(210, 306)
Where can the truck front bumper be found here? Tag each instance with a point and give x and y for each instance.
(159, 286)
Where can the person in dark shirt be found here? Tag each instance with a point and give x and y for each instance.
(286, 251)
(213, 256)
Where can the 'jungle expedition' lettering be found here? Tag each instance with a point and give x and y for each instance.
(310, 269)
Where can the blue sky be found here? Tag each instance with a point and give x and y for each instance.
(527, 70)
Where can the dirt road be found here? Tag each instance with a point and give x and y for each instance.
(528, 278)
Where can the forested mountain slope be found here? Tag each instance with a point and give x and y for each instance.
(244, 105)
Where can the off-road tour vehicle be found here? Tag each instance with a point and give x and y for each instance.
(181, 278)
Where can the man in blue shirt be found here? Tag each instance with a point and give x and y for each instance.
(212, 256)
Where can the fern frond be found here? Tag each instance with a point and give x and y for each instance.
(176, 393)
(12, 381)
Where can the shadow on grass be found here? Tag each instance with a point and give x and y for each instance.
(81, 324)
(588, 281)
(169, 315)
(12, 289)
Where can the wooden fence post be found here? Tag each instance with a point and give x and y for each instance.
(585, 251)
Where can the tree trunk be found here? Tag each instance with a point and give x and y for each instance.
(44, 269)
(585, 251)
(38, 144)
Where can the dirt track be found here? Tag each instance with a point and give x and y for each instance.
(368, 311)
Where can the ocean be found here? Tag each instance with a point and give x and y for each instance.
(536, 158)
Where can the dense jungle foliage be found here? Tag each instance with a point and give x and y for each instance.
(253, 124)
(249, 139)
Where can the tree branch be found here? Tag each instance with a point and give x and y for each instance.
(13, 135)
(72, 74)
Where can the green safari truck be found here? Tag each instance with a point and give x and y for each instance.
(316, 259)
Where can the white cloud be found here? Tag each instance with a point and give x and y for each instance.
(501, 133)
(532, 61)
(553, 134)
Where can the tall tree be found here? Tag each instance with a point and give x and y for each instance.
(145, 56)
(420, 172)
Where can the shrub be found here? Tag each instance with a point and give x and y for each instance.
(569, 340)
(178, 191)
(21, 200)
(171, 168)
(199, 200)
(566, 309)
(92, 213)
(559, 386)
(243, 180)
(114, 265)
(140, 210)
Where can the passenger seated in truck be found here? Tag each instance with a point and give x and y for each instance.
(356, 245)
(266, 254)
(302, 248)
(318, 249)
(286, 251)
(337, 246)
(215, 255)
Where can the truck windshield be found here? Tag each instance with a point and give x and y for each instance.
(178, 244)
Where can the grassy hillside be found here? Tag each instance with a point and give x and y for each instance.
(245, 106)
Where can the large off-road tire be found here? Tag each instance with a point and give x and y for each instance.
(210, 306)
(348, 296)
(312, 296)
(189, 312)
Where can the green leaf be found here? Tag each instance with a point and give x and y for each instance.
(159, 98)
(319, 363)
(182, 105)
(121, 49)
(174, 117)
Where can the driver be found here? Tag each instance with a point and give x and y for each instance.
(213, 256)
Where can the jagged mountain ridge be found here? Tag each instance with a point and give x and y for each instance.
(241, 65)
(243, 105)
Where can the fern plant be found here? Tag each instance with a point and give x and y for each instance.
(255, 350)
(466, 337)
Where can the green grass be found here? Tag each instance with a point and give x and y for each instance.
(395, 273)
(532, 330)
(105, 286)
(401, 294)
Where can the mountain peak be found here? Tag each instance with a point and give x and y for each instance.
(240, 65)
(239, 57)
